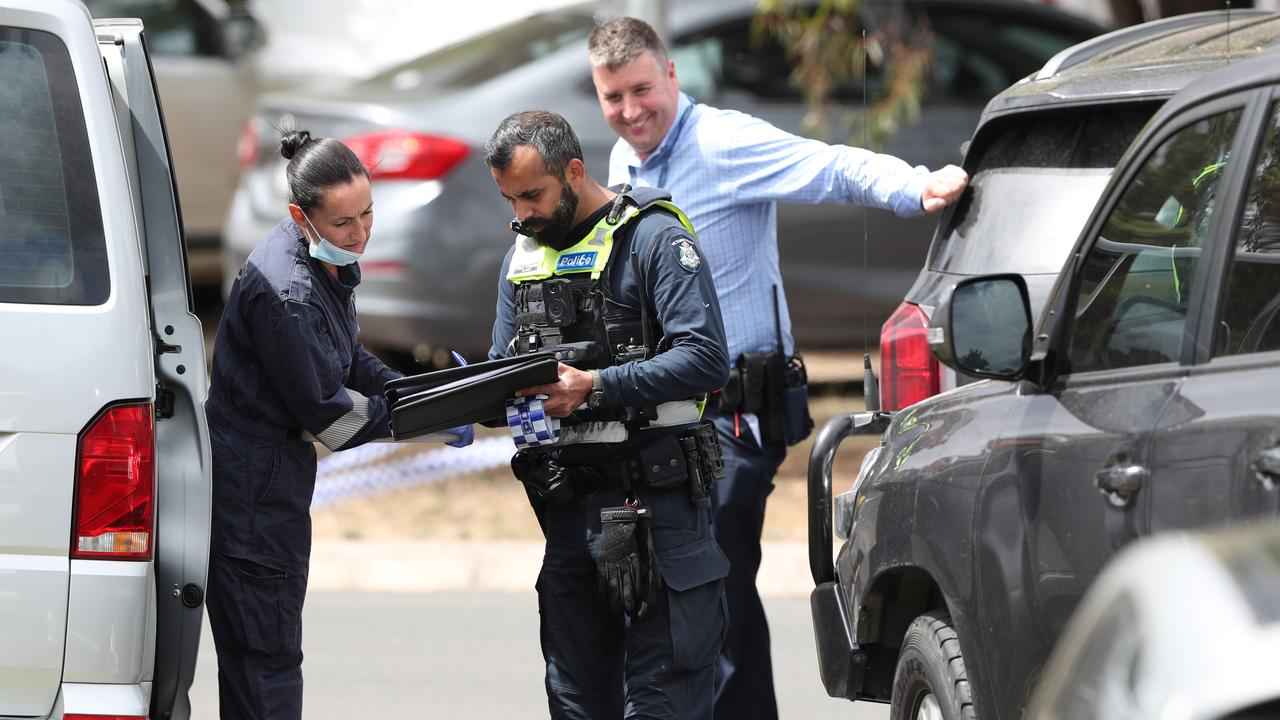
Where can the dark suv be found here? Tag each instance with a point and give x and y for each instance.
(1148, 398)
(1040, 156)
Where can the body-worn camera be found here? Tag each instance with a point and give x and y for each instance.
(552, 302)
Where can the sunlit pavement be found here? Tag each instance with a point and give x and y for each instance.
(475, 655)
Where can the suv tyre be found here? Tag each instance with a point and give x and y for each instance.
(930, 682)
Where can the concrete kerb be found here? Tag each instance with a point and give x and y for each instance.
(496, 566)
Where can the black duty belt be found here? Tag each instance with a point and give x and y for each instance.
(693, 456)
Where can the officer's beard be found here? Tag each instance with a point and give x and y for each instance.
(554, 232)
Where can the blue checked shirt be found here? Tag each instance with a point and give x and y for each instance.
(728, 171)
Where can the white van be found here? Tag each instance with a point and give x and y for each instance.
(104, 457)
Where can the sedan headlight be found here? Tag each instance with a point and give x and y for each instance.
(846, 502)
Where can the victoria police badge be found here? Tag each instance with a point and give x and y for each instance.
(689, 259)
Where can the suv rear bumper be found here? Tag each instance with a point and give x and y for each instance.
(841, 663)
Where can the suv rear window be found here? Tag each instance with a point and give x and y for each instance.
(52, 247)
(1034, 180)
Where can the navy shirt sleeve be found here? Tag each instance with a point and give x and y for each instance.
(299, 357)
(680, 293)
(504, 320)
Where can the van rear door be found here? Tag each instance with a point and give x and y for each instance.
(182, 446)
(72, 298)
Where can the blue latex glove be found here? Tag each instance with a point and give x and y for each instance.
(466, 435)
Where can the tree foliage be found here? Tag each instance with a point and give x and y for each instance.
(831, 52)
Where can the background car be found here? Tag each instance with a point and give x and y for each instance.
(1127, 653)
(104, 460)
(441, 233)
(1146, 399)
(202, 56)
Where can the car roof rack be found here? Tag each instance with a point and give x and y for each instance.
(1116, 39)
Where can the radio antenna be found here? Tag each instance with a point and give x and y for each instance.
(870, 386)
(1228, 30)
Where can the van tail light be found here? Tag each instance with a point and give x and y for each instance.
(116, 485)
(400, 154)
(908, 371)
(247, 145)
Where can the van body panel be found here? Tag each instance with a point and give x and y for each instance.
(111, 607)
(36, 472)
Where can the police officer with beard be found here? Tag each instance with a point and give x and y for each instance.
(631, 592)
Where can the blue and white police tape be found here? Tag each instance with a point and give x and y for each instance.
(529, 422)
(371, 469)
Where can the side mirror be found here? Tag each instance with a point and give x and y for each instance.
(982, 327)
(242, 33)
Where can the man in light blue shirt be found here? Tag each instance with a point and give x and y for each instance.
(727, 171)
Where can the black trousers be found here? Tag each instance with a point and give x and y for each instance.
(744, 670)
(260, 550)
(602, 664)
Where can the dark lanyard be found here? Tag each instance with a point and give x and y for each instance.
(671, 146)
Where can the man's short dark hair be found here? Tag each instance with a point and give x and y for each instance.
(617, 42)
(546, 132)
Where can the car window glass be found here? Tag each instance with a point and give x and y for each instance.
(1034, 177)
(52, 248)
(1135, 282)
(1250, 317)
(699, 66)
(173, 27)
(489, 55)
(737, 58)
(976, 56)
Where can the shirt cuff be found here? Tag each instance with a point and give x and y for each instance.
(911, 198)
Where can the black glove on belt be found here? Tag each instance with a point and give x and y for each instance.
(627, 566)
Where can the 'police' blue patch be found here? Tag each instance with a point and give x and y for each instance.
(576, 261)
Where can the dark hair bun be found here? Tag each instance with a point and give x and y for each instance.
(293, 141)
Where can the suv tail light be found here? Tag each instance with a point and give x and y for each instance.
(412, 156)
(908, 371)
(116, 485)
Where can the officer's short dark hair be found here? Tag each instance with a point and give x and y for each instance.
(315, 165)
(546, 132)
(617, 42)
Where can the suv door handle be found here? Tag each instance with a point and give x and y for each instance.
(1119, 482)
(1267, 467)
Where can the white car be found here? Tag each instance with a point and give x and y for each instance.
(1182, 626)
(104, 459)
(203, 56)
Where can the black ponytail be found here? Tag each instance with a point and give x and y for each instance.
(315, 165)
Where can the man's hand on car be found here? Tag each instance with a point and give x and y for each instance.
(566, 394)
(943, 188)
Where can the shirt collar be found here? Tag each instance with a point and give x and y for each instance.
(659, 154)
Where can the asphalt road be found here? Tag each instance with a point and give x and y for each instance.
(476, 656)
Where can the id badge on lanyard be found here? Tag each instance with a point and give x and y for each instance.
(671, 146)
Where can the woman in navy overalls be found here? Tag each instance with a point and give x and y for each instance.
(286, 368)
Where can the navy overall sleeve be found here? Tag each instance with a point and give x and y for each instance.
(300, 359)
(368, 373)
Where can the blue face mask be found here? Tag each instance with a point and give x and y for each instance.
(325, 251)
